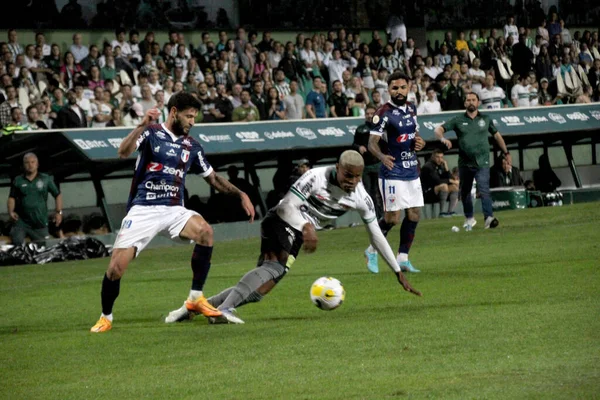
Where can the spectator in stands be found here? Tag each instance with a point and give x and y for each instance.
(453, 94)
(438, 184)
(430, 105)
(13, 44)
(302, 166)
(33, 121)
(544, 178)
(115, 119)
(100, 109)
(134, 116)
(246, 111)
(27, 202)
(554, 27)
(147, 101)
(520, 92)
(294, 103)
(522, 57)
(78, 49)
(504, 174)
(315, 100)
(70, 115)
(544, 64)
(338, 101)
(14, 125)
(259, 99)
(275, 107)
(543, 32)
(510, 29)
(6, 107)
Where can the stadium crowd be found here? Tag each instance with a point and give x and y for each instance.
(244, 77)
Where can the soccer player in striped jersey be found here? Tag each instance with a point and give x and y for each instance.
(318, 197)
(155, 206)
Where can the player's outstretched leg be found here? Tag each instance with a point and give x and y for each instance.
(370, 252)
(111, 285)
(407, 235)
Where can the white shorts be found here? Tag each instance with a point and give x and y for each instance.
(400, 195)
(143, 223)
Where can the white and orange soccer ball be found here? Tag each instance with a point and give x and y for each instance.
(327, 293)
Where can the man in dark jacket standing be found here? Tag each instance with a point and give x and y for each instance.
(71, 115)
(370, 177)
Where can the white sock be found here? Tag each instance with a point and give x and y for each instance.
(194, 294)
(108, 317)
(402, 257)
(371, 249)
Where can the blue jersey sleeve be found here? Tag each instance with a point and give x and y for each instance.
(199, 161)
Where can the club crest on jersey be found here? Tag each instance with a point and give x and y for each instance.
(481, 123)
(185, 155)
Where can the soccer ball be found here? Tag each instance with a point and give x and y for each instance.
(327, 293)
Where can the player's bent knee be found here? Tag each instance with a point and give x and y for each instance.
(413, 214)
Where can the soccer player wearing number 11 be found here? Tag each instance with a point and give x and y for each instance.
(396, 123)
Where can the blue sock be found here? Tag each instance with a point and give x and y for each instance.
(407, 234)
(200, 265)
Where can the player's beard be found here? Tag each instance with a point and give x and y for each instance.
(399, 100)
(471, 108)
(178, 128)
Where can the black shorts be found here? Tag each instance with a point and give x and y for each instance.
(277, 236)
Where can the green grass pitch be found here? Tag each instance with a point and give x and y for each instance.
(510, 313)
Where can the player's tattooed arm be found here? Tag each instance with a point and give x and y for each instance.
(374, 148)
(222, 185)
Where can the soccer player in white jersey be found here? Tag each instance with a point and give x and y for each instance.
(519, 94)
(492, 97)
(318, 197)
(396, 123)
(155, 206)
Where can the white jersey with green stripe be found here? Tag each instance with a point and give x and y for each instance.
(491, 99)
(317, 198)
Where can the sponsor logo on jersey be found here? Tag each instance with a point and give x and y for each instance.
(396, 112)
(405, 137)
(407, 154)
(557, 118)
(185, 155)
(150, 196)
(306, 133)
(160, 135)
(578, 116)
(171, 153)
(249, 136)
(163, 186)
(215, 138)
(202, 161)
(278, 134)
(173, 145)
(157, 167)
(409, 164)
(157, 149)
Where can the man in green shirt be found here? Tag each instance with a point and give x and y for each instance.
(27, 203)
(246, 112)
(472, 129)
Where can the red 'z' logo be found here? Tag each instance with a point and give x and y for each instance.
(402, 138)
(154, 167)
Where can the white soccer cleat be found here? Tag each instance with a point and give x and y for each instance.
(227, 317)
(181, 314)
